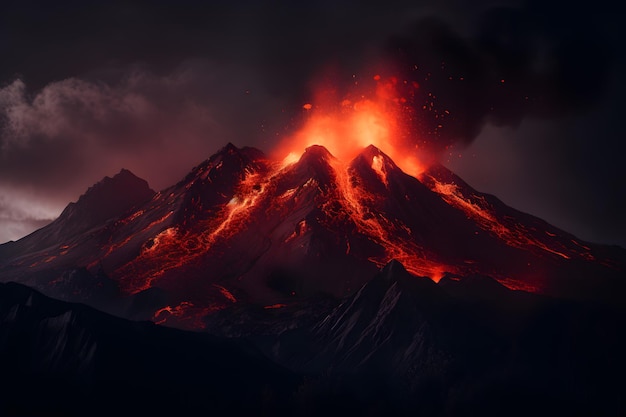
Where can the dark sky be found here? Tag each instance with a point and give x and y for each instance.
(535, 90)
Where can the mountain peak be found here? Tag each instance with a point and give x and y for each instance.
(231, 152)
(125, 172)
(246, 151)
(315, 155)
(124, 182)
(317, 152)
(371, 150)
(228, 148)
(374, 166)
(393, 269)
(108, 198)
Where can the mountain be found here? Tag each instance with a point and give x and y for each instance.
(241, 228)
(315, 287)
(403, 345)
(109, 199)
(67, 359)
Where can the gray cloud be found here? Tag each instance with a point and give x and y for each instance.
(21, 213)
(61, 139)
(159, 126)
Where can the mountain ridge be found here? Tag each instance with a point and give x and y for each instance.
(243, 228)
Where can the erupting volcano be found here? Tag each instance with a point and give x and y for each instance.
(379, 274)
(242, 227)
(320, 216)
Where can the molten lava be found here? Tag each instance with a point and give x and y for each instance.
(509, 230)
(355, 123)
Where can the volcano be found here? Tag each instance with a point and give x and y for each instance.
(242, 228)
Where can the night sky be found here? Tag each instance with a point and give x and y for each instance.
(536, 91)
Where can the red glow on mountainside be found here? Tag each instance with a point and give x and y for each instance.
(390, 233)
(512, 233)
(275, 306)
(174, 248)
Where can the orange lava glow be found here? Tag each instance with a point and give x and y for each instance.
(345, 126)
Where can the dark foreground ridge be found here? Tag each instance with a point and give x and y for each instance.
(67, 359)
(400, 345)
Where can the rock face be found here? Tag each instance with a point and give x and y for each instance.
(240, 228)
(108, 199)
(466, 346)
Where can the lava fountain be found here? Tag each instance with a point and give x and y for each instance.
(346, 125)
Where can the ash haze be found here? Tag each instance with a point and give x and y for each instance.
(156, 87)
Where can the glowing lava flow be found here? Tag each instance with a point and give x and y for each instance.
(273, 210)
(346, 130)
(512, 233)
(390, 234)
(173, 248)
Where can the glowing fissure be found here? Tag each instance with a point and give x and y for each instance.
(226, 293)
(274, 306)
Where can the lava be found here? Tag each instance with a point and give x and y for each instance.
(391, 234)
(371, 118)
(379, 167)
(274, 306)
(226, 293)
(173, 249)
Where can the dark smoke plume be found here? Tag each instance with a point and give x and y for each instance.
(515, 65)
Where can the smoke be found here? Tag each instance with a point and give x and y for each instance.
(59, 140)
(76, 131)
(516, 63)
